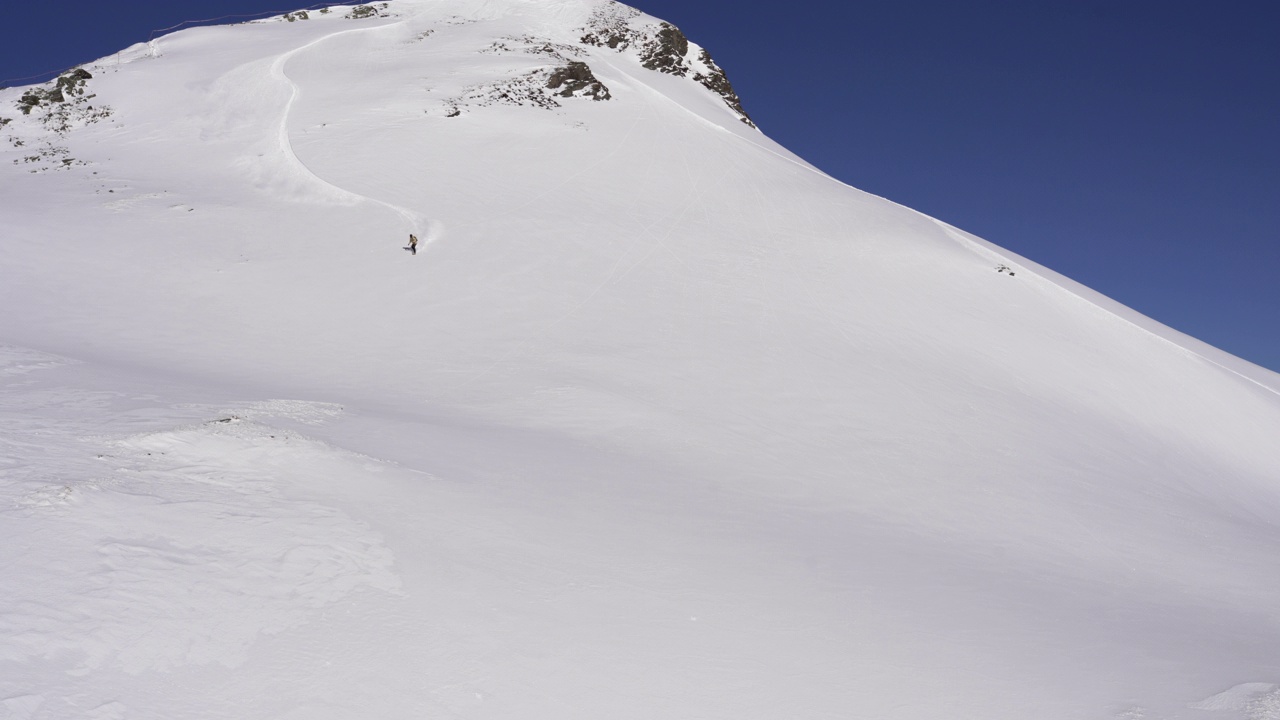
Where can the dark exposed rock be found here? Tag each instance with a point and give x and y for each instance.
(29, 100)
(360, 12)
(666, 53)
(576, 78)
(532, 45)
(69, 84)
(610, 26)
(295, 16)
(718, 83)
(612, 40)
(63, 102)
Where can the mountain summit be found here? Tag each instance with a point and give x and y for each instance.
(659, 421)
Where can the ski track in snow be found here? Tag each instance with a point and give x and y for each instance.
(415, 222)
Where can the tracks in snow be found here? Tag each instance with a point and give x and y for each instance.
(416, 222)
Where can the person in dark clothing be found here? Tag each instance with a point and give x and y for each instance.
(413, 243)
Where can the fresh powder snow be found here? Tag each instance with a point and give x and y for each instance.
(658, 422)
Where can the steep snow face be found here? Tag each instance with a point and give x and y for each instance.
(659, 421)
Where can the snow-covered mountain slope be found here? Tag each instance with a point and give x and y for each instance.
(659, 422)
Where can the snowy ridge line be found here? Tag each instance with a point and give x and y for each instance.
(720, 128)
(415, 221)
(38, 77)
(151, 38)
(250, 16)
(663, 95)
(990, 253)
(817, 306)
(981, 249)
(951, 232)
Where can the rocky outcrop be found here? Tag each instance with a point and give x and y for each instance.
(69, 85)
(562, 76)
(54, 109)
(361, 12)
(610, 26)
(716, 81)
(662, 48)
(613, 41)
(577, 80)
(666, 51)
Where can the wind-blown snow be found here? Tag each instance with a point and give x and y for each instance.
(659, 422)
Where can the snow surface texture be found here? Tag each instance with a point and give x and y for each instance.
(659, 422)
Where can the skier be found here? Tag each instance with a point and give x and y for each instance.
(413, 243)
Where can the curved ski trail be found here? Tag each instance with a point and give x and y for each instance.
(416, 222)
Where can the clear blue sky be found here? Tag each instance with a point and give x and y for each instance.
(1133, 145)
